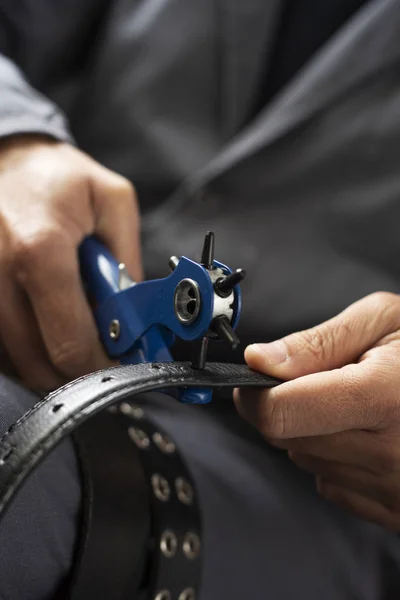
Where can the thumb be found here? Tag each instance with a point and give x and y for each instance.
(333, 344)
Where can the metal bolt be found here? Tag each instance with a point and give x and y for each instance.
(131, 410)
(163, 595)
(168, 543)
(160, 487)
(191, 545)
(187, 594)
(114, 329)
(139, 437)
(173, 262)
(184, 491)
(164, 443)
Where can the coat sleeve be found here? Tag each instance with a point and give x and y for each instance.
(24, 110)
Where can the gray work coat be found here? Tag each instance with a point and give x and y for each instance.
(305, 196)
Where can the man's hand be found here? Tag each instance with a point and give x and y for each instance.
(51, 197)
(339, 415)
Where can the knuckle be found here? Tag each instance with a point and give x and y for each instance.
(30, 250)
(387, 306)
(274, 423)
(71, 357)
(124, 189)
(124, 199)
(365, 397)
(318, 341)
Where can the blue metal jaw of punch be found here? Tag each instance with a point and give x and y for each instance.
(138, 322)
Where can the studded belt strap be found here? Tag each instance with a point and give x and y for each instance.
(176, 528)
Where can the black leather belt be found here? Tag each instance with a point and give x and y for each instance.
(129, 465)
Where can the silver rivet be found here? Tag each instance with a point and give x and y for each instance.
(164, 443)
(139, 437)
(173, 262)
(114, 329)
(191, 545)
(131, 410)
(187, 594)
(160, 487)
(168, 543)
(163, 595)
(184, 491)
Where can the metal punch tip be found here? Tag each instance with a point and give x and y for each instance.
(224, 286)
(199, 361)
(207, 255)
(223, 329)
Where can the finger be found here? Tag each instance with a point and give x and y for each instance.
(332, 344)
(21, 340)
(47, 267)
(352, 397)
(354, 448)
(351, 478)
(117, 218)
(362, 506)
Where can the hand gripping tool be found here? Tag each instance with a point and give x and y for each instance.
(138, 322)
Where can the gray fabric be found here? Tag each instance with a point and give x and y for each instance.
(38, 533)
(267, 534)
(304, 197)
(23, 109)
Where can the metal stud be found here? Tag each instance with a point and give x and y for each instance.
(163, 595)
(168, 543)
(131, 410)
(139, 437)
(191, 545)
(160, 487)
(114, 329)
(173, 262)
(184, 491)
(124, 280)
(187, 594)
(163, 443)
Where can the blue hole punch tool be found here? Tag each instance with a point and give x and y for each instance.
(138, 322)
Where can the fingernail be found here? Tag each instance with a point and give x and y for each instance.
(275, 352)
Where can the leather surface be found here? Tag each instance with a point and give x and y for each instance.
(115, 531)
(59, 414)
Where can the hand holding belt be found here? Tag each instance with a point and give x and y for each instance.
(176, 517)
